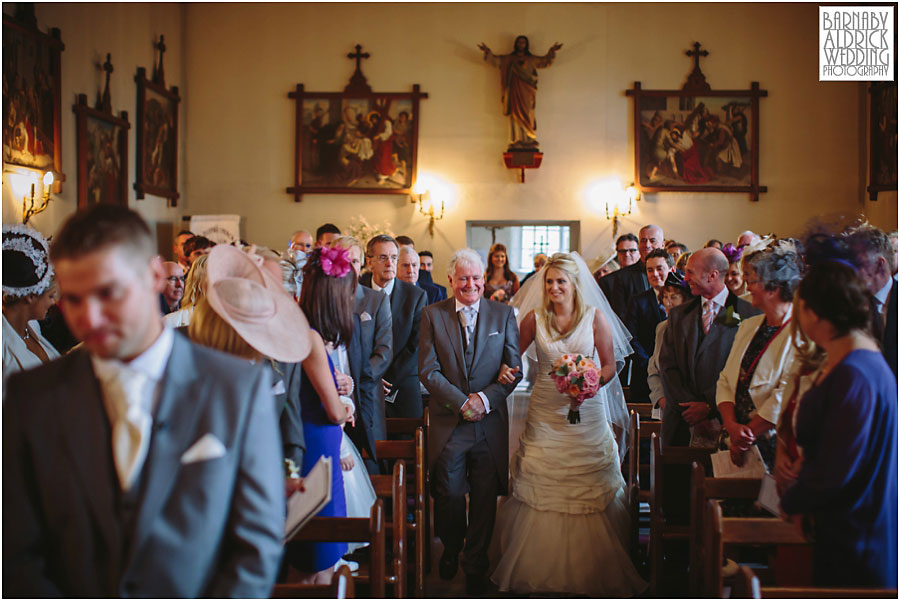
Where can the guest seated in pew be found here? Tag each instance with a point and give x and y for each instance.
(751, 386)
(845, 494)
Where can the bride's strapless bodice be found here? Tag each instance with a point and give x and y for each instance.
(570, 468)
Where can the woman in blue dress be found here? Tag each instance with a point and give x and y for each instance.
(327, 301)
(845, 495)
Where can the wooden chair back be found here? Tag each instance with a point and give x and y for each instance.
(741, 531)
(748, 588)
(702, 489)
(354, 530)
(660, 530)
(341, 587)
(633, 484)
(644, 410)
(412, 451)
(393, 489)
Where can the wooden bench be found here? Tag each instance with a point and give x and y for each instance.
(341, 587)
(354, 530)
(749, 588)
(393, 489)
(633, 482)
(412, 451)
(661, 528)
(746, 531)
(644, 410)
(704, 488)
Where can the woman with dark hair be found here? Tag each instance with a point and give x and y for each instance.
(734, 279)
(29, 290)
(675, 292)
(498, 275)
(845, 494)
(751, 385)
(327, 301)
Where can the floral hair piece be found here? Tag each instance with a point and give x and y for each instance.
(732, 253)
(335, 261)
(29, 242)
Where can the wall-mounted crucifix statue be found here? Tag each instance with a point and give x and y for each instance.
(518, 78)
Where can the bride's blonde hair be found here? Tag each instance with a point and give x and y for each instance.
(564, 263)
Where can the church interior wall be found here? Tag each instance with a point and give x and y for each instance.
(235, 64)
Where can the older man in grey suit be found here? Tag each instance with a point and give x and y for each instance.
(696, 345)
(464, 340)
(141, 465)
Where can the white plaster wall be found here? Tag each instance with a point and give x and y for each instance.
(89, 31)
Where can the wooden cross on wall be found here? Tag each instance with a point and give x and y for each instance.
(696, 80)
(159, 75)
(105, 103)
(358, 83)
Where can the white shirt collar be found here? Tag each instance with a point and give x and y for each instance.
(719, 299)
(882, 295)
(460, 306)
(388, 288)
(151, 363)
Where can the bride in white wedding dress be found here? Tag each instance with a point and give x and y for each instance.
(565, 526)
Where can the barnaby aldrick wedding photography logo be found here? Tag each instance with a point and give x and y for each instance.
(856, 43)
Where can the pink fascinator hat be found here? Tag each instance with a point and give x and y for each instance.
(253, 302)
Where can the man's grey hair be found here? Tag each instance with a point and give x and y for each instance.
(406, 250)
(650, 226)
(465, 256)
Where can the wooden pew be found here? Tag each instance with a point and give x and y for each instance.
(355, 530)
(405, 425)
(393, 489)
(749, 588)
(412, 451)
(633, 483)
(661, 530)
(644, 410)
(745, 531)
(704, 488)
(341, 587)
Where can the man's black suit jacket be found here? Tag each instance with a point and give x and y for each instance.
(369, 424)
(435, 292)
(641, 318)
(407, 302)
(887, 335)
(690, 361)
(619, 286)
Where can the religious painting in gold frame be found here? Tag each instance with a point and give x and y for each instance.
(102, 155)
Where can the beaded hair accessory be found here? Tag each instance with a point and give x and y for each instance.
(23, 239)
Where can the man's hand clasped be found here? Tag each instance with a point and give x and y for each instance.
(507, 374)
(473, 409)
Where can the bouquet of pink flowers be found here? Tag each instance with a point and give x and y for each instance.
(578, 377)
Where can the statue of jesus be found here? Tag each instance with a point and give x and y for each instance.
(518, 77)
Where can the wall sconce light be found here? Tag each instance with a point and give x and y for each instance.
(28, 208)
(426, 207)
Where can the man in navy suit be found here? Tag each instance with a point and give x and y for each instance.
(426, 266)
(645, 311)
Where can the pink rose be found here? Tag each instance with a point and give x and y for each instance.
(592, 378)
(562, 385)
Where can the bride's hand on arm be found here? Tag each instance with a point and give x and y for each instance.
(507, 375)
(603, 343)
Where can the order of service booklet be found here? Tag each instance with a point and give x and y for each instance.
(303, 506)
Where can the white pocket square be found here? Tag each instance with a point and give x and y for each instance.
(278, 388)
(364, 316)
(206, 448)
(493, 334)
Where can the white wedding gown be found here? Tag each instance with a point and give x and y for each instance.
(565, 526)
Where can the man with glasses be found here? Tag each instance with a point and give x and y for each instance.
(407, 302)
(621, 285)
(627, 250)
(170, 297)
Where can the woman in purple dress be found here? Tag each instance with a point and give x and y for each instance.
(845, 495)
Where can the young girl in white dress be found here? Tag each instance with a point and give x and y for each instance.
(565, 526)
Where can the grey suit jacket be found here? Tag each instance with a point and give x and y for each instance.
(376, 331)
(690, 362)
(208, 528)
(442, 370)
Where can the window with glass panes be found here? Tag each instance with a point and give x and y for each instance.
(547, 239)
